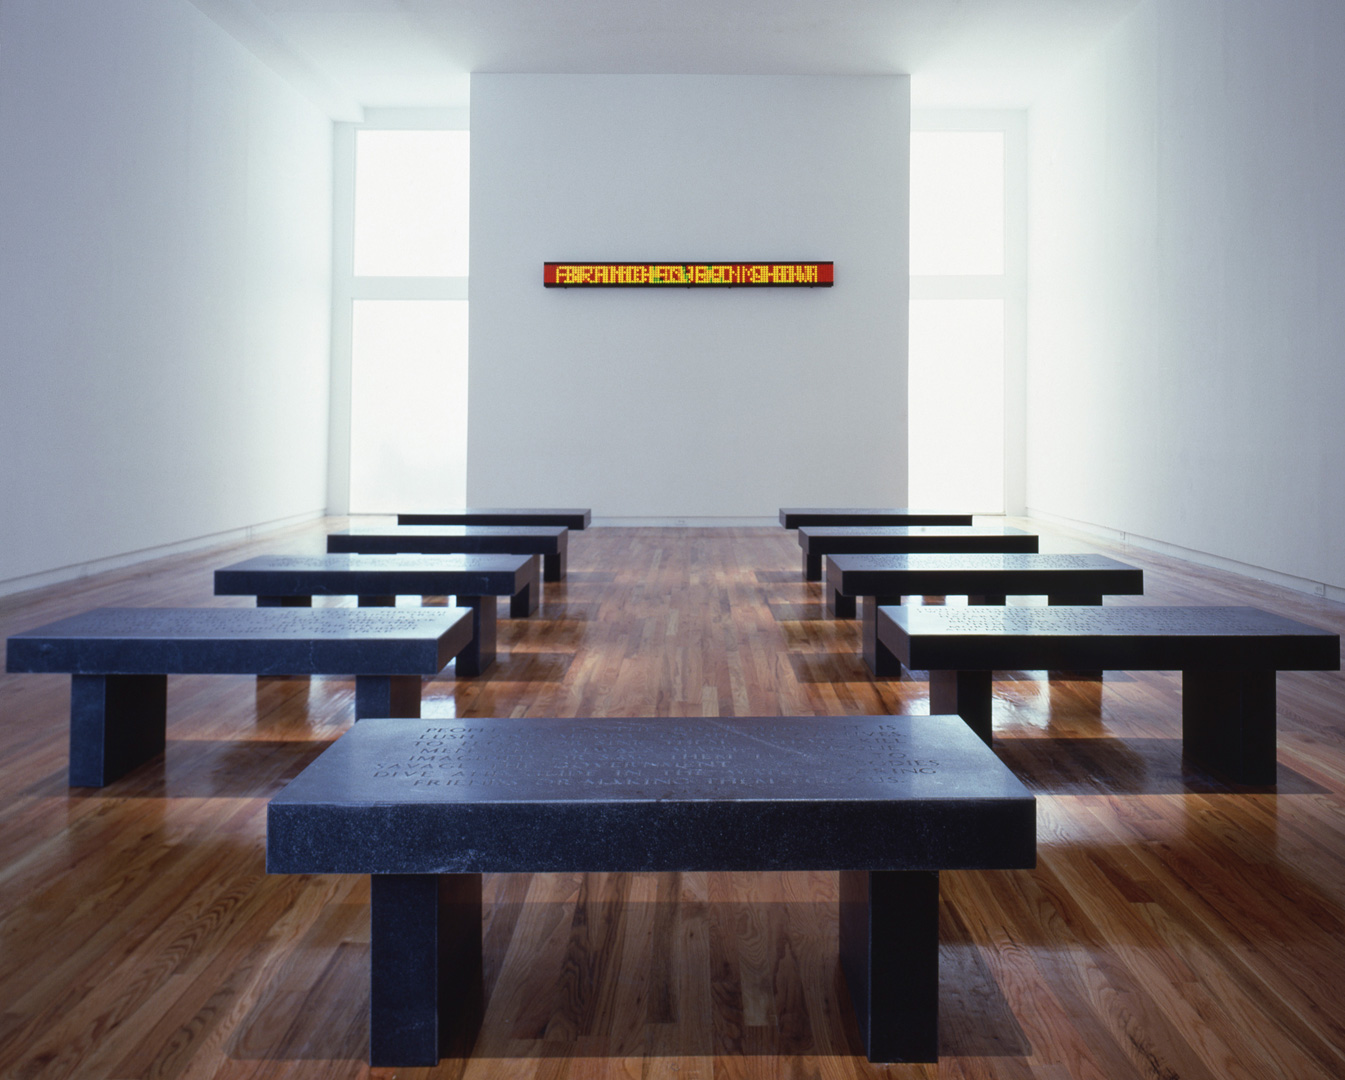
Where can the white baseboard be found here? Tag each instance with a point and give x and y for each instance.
(130, 558)
(1201, 558)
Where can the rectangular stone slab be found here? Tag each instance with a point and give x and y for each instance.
(793, 517)
(575, 518)
(349, 574)
(988, 575)
(245, 641)
(1228, 657)
(819, 541)
(119, 660)
(549, 541)
(1118, 638)
(963, 574)
(426, 807)
(548, 795)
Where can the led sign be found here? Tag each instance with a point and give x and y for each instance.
(565, 275)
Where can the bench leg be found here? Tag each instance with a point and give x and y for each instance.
(553, 566)
(1075, 600)
(387, 695)
(889, 937)
(117, 722)
(881, 660)
(284, 601)
(1228, 723)
(525, 602)
(426, 998)
(965, 694)
(840, 605)
(812, 567)
(377, 601)
(479, 653)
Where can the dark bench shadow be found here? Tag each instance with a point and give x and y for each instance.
(572, 610)
(828, 667)
(201, 768)
(328, 1020)
(816, 611)
(583, 577)
(1114, 766)
(513, 664)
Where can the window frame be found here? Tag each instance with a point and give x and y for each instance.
(1010, 286)
(347, 288)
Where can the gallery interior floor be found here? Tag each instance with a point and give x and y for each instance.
(1173, 927)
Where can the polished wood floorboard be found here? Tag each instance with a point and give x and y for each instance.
(1173, 928)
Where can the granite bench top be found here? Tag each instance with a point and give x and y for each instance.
(351, 574)
(513, 539)
(793, 517)
(245, 641)
(1118, 638)
(831, 539)
(572, 518)
(936, 573)
(539, 794)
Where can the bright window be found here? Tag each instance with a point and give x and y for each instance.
(411, 203)
(957, 397)
(967, 273)
(957, 202)
(399, 327)
(408, 413)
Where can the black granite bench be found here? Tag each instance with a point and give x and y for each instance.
(119, 660)
(473, 580)
(882, 580)
(575, 519)
(427, 807)
(1228, 657)
(549, 541)
(819, 541)
(793, 517)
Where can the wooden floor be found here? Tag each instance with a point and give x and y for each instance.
(1173, 928)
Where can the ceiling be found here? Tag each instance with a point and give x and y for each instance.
(355, 54)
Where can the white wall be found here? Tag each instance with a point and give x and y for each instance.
(165, 267)
(1187, 282)
(702, 403)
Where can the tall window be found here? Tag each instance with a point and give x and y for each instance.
(401, 324)
(966, 314)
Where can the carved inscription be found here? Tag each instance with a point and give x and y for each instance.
(248, 623)
(976, 561)
(456, 530)
(1147, 621)
(720, 760)
(910, 530)
(417, 563)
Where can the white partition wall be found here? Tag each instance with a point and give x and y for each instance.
(165, 270)
(682, 403)
(1186, 380)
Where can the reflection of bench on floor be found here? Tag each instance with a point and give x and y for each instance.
(119, 660)
(793, 517)
(549, 541)
(1228, 657)
(474, 580)
(819, 541)
(427, 807)
(576, 519)
(985, 579)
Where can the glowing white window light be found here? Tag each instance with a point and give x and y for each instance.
(956, 403)
(957, 202)
(408, 417)
(411, 191)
